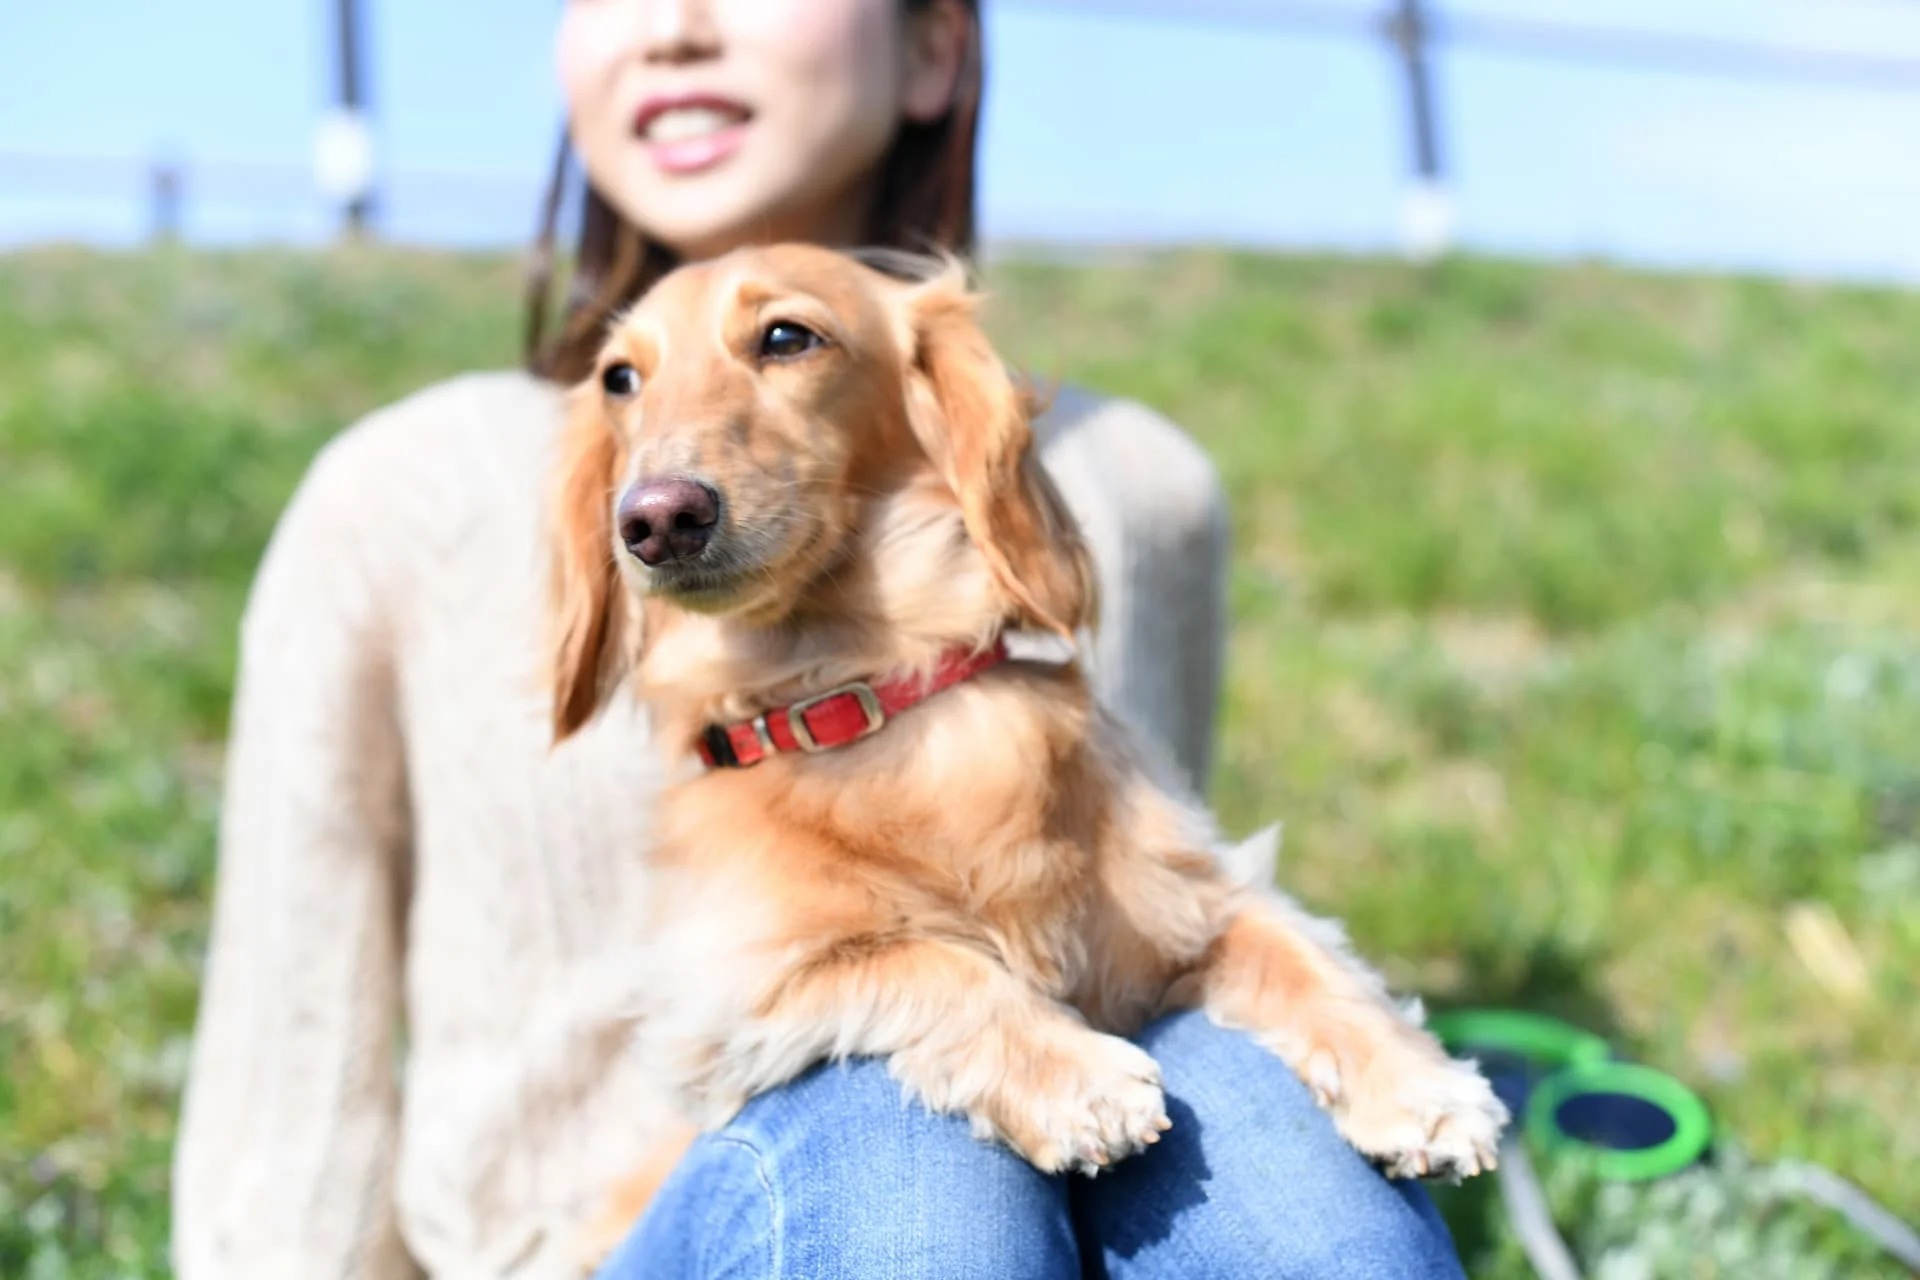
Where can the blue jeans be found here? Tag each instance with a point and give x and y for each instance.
(832, 1176)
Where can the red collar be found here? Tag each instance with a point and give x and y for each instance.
(839, 716)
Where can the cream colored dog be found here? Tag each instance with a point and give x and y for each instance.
(794, 475)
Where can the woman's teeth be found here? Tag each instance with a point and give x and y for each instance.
(682, 123)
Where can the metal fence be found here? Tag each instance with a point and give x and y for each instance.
(1414, 35)
(169, 194)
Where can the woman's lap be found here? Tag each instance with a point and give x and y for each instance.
(834, 1175)
(1251, 1180)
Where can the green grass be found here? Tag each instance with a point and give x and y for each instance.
(1574, 618)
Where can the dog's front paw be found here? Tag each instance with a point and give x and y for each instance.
(1419, 1115)
(1081, 1102)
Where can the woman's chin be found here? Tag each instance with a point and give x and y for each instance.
(712, 212)
(701, 215)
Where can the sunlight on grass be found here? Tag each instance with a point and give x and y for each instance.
(1574, 618)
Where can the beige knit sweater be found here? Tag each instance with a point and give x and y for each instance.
(409, 1056)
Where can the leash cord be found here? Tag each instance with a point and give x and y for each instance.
(1526, 1206)
(1547, 1252)
(1869, 1217)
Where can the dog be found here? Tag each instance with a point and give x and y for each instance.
(798, 511)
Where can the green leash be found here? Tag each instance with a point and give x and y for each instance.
(1628, 1122)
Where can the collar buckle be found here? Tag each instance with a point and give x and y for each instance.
(861, 692)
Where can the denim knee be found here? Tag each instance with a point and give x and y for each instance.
(836, 1174)
(1253, 1180)
(716, 1218)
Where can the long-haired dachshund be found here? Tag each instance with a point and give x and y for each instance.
(799, 507)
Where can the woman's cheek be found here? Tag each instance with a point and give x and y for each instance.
(587, 50)
(828, 79)
(807, 50)
(575, 48)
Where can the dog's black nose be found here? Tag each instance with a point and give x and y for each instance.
(668, 519)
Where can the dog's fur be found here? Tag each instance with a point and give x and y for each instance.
(999, 886)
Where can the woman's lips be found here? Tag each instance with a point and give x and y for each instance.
(688, 133)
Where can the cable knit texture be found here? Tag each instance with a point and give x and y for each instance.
(410, 1056)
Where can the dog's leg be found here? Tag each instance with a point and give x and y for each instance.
(1256, 962)
(1290, 980)
(966, 1036)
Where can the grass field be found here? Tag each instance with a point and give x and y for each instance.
(1575, 620)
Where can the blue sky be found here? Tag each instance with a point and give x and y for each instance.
(1098, 129)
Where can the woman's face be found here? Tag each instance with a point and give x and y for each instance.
(714, 123)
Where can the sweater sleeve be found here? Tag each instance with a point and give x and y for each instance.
(284, 1161)
(1155, 516)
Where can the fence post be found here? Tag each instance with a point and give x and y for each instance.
(164, 194)
(1426, 215)
(352, 108)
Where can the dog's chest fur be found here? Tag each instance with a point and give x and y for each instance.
(971, 817)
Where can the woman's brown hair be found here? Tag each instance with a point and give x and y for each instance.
(923, 201)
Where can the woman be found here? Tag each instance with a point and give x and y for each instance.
(405, 864)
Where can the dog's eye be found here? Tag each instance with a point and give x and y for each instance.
(784, 340)
(620, 379)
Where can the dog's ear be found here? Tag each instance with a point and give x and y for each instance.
(975, 423)
(587, 606)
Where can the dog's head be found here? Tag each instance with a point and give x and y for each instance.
(745, 415)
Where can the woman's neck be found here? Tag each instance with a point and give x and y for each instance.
(839, 221)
